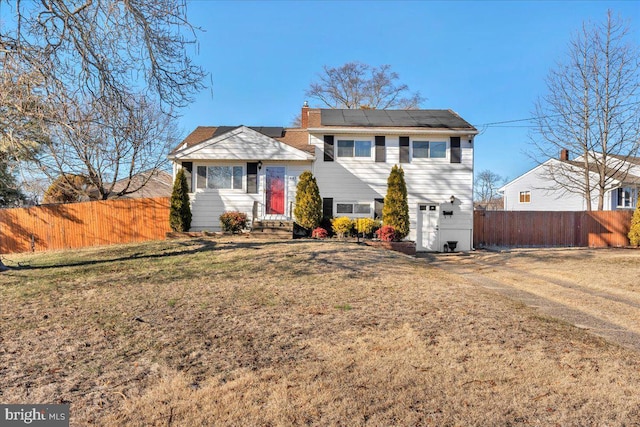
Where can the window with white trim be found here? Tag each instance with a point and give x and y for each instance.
(353, 148)
(429, 149)
(353, 209)
(525, 197)
(627, 197)
(220, 177)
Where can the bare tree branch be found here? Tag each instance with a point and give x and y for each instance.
(592, 108)
(357, 85)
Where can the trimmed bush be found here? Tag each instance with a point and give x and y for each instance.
(634, 231)
(365, 226)
(233, 221)
(342, 226)
(180, 211)
(308, 210)
(319, 233)
(395, 211)
(386, 233)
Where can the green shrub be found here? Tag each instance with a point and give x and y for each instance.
(634, 231)
(233, 221)
(395, 211)
(180, 211)
(308, 210)
(342, 226)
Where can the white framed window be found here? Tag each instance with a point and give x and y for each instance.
(525, 197)
(627, 197)
(354, 148)
(429, 149)
(219, 177)
(353, 209)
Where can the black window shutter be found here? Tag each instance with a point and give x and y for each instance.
(377, 208)
(188, 172)
(252, 177)
(381, 153)
(328, 148)
(404, 149)
(456, 153)
(327, 207)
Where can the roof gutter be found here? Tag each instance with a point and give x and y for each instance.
(393, 131)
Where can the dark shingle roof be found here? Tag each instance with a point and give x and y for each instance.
(270, 131)
(296, 138)
(442, 119)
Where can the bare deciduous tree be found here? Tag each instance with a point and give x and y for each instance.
(592, 108)
(97, 84)
(486, 187)
(358, 85)
(106, 144)
(93, 58)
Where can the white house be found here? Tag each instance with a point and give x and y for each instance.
(351, 153)
(553, 186)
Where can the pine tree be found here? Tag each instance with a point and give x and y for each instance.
(395, 211)
(634, 231)
(10, 194)
(308, 210)
(180, 214)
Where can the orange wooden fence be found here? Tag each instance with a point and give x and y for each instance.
(78, 225)
(549, 229)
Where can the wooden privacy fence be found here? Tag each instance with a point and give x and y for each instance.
(548, 229)
(78, 225)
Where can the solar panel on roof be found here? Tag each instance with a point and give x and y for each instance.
(391, 118)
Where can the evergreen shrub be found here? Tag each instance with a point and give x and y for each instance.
(342, 226)
(180, 211)
(395, 211)
(634, 230)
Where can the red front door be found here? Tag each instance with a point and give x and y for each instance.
(275, 190)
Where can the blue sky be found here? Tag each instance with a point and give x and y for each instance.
(485, 60)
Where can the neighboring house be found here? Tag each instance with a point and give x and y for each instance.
(491, 205)
(536, 190)
(350, 152)
(158, 184)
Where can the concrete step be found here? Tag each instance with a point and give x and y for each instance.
(272, 233)
(273, 224)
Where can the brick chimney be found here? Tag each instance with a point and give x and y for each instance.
(564, 154)
(304, 116)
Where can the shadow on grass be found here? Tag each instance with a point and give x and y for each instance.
(343, 256)
(195, 246)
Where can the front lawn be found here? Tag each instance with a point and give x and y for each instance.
(244, 332)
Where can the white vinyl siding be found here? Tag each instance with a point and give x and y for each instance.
(427, 181)
(544, 194)
(208, 205)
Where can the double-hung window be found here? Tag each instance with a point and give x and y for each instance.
(525, 197)
(627, 197)
(220, 177)
(360, 209)
(429, 149)
(354, 148)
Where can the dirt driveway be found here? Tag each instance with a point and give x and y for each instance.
(594, 289)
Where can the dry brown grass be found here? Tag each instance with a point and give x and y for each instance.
(603, 283)
(261, 333)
